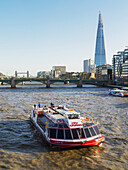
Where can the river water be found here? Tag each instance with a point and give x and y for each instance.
(22, 148)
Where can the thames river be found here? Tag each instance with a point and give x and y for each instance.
(22, 148)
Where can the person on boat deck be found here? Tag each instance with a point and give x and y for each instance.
(39, 105)
(34, 106)
(52, 105)
(34, 110)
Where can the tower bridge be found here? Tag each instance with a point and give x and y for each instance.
(26, 73)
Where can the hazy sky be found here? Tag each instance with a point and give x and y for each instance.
(38, 34)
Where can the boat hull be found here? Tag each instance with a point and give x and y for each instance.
(119, 95)
(66, 144)
(62, 144)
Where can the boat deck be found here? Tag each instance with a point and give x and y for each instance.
(56, 114)
(60, 111)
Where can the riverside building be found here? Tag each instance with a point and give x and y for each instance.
(104, 72)
(58, 70)
(120, 67)
(43, 74)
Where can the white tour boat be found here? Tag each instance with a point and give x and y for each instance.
(118, 92)
(65, 127)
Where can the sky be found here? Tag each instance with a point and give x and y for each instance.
(38, 34)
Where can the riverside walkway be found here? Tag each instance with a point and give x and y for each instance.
(47, 81)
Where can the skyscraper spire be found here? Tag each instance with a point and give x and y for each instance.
(100, 56)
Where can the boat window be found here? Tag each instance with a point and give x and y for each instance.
(82, 134)
(73, 116)
(87, 132)
(52, 133)
(60, 107)
(55, 124)
(65, 125)
(75, 134)
(96, 130)
(51, 124)
(55, 113)
(40, 123)
(48, 132)
(40, 115)
(60, 125)
(92, 131)
(60, 134)
(68, 134)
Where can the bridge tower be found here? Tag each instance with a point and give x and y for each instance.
(26, 73)
(13, 83)
(16, 74)
(48, 82)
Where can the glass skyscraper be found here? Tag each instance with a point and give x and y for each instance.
(88, 65)
(100, 56)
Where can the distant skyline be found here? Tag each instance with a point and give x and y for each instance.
(38, 34)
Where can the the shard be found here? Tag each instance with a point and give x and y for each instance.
(100, 56)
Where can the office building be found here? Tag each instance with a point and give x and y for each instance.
(2, 76)
(104, 72)
(58, 70)
(100, 54)
(120, 67)
(88, 66)
(43, 74)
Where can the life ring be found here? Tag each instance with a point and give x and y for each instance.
(58, 121)
(62, 121)
(50, 121)
(87, 119)
(83, 119)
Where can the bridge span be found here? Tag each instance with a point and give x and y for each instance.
(47, 81)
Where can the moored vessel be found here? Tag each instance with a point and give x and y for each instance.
(119, 92)
(64, 127)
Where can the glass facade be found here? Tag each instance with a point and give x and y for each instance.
(100, 56)
(120, 67)
(104, 72)
(88, 65)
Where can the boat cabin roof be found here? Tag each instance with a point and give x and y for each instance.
(66, 111)
(58, 116)
(55, 114)
(60, 112)
(117, 90)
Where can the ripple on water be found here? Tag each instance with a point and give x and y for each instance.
(22, 147)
